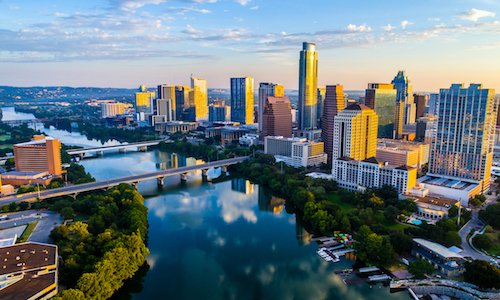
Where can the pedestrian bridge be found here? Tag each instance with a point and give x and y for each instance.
(75, 190)
(142, 146)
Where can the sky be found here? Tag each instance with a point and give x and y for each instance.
(126, 43)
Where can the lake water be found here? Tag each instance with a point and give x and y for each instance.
(225, 240)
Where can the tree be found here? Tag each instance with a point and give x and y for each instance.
(482, 241)
(23, 205)
(345, 224)
(401, 242)
(475, 202)
(67, 213)
(59, 233)
(10, 163)
(421, 267)
(71, 294)
(13, 206)
(482, 274)
(491, 215)
(390, 213)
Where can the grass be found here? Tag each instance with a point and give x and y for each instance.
(4, 137)
(27, 232)
(344, 207)
(396, 265)
(6, 147)
(495, 250)
(80, 217)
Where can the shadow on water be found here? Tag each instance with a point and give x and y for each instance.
(133, 285)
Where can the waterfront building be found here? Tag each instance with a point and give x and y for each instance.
(320, 104)
(308, 87)
(432, 209)
(230, 134)
(175, 126)
(29, 271)
(355, 133)
(112, 109)
(405, 97)
(277, 117)
(218, 112)
(267, 89)
(333, 104)
(144, 101)
(444, 260)
(355, 175)
(242, 100)
(382, 98)
(198, 99)
(420, 101)
(41, 154)
(296, 152)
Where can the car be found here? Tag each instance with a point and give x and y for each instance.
(478, 227)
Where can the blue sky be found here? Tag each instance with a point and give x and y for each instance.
(125, 43)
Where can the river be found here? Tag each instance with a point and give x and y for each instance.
(226, 240)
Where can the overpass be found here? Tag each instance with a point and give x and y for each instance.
(99, 150)
(75, 190)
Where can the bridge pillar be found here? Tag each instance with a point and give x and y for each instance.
(204, 173)
(99, 153)
(81, 155)
(74, 195)
(223, 169)
(142, 148)
(184, 176)
(160, 181)
(134, 184)
(122, 150)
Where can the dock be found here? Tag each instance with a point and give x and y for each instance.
(360, 271)
(384, 275)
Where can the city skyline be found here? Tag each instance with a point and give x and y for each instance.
(127, 43)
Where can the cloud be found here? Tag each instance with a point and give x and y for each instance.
(433, 19)
(133, 4)
(182, 10)
(254, 7)
(388, 27)
(242, 2)
(475, 14)
(405, 23)
(13, 7)
(190, 30)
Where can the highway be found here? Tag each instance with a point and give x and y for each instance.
(74, 190)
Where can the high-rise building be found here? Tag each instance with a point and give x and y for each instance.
(355, 133)
(308, 87)
(218, 112)
(198, 98)
(182, 103)
(321, 100)
(382, 99)
(333, 104)
(277, 117)
(144, 101)
(405, 97)
(41, 154)
(463, 144)
(420, 105)
(432, 104)
(267, 89)
(112, 109)
(242, 100)
(166, 108)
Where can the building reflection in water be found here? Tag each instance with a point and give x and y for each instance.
(242, 185)
(302, 235)
(268, 202)
(172, 161)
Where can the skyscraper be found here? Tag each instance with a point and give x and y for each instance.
(218, 111)
(355, 133)
(319, 106)
(144, 101)
(463, 144)
(405, 97)
(242, 100)
(382, 99)
(166, 92)
(277, 117)
(198, 98)
(41, 154)
(267, 89)
(333, 104)
(420, 105)
(308, 87)
(182, 103)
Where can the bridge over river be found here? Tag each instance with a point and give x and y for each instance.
(75, 190)
(122, 148)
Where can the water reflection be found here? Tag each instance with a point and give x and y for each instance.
(268, 202)
(242, 185)
(173, 160)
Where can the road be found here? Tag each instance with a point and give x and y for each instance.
(21, 218)
(105, 148)
(104, 184)
(44, 227)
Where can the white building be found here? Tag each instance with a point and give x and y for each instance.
(112, 109)
(296, 152)
(356, 175)
(249, 139)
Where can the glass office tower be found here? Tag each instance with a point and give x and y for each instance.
(382, 99)
(242, 100)
(308, 87)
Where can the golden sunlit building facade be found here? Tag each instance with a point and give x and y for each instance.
(242, 100)
(144, 100)
(198, 98)
(41, 154)
(308, 87)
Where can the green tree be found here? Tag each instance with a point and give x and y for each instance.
(421, 267)
(345, 225)
(10, 163)
(475, 202)
(401, 242)
(67, 213)
(390, 213)
(482, 241)
(70, 294)
(23, 205)
(482, 274)
(59, 233)
(13, 206)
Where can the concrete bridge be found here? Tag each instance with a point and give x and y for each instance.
(142, 146)
(27, 121)
(75, 190)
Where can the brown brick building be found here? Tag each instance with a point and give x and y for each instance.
(333, 104)
(277, 117)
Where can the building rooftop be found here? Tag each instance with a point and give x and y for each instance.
(437, 248)
(36, 142)
(278, 99)
(446, 182)
(405, 168)
(372, 160)
(438, 201)
(26, 256)
(357, 106)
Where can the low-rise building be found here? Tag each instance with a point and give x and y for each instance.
(399, 146)
(296, 152)
(175, 126)
(28, 271)
(249, 139)
(443, 259)
(18, 178)
(356, 175)
(431, 208)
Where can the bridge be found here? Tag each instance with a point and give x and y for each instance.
(75, 190)
(27, 121)
(142, 146)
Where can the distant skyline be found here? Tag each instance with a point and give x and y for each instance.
(126, 43)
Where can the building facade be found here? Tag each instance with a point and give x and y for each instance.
(218, 112)
(112, 109)
(355, 133)
(420, 101)
(308, 87)
(296, 152)
(332, 105)
(242, 100)
(382, 98)
(41, 154)
(144, 101)
(267, 89)
(405, 97)
(321, 100)
(277, 117)
(198, 98)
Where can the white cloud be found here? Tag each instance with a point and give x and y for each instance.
(182, 10)
(433, 19)
(405, 23)
(388, 27)
(254, 7)
(475, 14)
(190, 30)
(13, 7)
(133, 4)
(242, 2)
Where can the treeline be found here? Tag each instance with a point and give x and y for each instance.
(103, 133)
(205, 151)
(106, 250)
(376, 243)
(77, 175)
